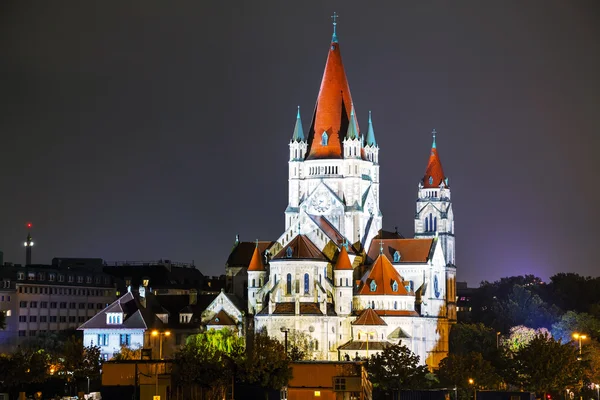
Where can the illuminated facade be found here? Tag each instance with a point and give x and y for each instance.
(334, 279)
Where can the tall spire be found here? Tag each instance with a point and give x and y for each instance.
(434, 174)
(352, 132)
(334, 17)
(298, 131)
(256, 263)
(371, 133)
(331, 116)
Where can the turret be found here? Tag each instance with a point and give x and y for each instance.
(352, 142)
(371, 147)
(257, 276)
(342, 282)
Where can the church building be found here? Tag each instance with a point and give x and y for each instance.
(334, 280)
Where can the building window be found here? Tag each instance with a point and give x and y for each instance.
(103, 339)
(288, 285)
(72, 318)
(80, 279)
(80, 319)
(22, 333)
(63, 304)
(373, 286)
(70, 278)
(373, 304)
(22, 318)
(32, 318)
(43, 318)
(53, 318)
(72, 305)
(125, 339)
(339, 384)
(395, 305)
(31, 276)
(99, 306)
(394, 286)
(90, 306)
(81, 306)
(61, 278)
(52, 304)
(396, 257)
(98, 280)
(306, 284)
(52, 277)
(88, 279)
(23, 304)
(324, 139)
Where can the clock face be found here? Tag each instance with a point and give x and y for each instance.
(321, 203)
(436, 286)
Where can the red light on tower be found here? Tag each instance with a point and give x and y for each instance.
(29, 225)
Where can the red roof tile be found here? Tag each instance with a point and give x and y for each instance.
(369, 317)
(332, 111)
(256, 263)
(221, 319)
(301, 248)
(384, 274)
(343, 261)
(434, 171)
(411, 250)
(289, 308)
(392, 313)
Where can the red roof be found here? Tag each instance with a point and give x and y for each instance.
(332, 111)
(434, 171)
(256, 263)
(410, 250)
(384, 274)
(221, 319)
(301, 248)
(369, 317)
(343, 261)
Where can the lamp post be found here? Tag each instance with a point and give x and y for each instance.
(579, 337)
(368, 333)
(597, 391)
(285, 333)
(160, 335)
(472, 382)
(497, 340)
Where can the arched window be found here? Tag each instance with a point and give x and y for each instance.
(373, 304)
(430, 222)
(324, 139)
(289, 252)
(435, 224)
(396, 257)
(426, 224)
(347, 283)
(253, 283)
(431, 180)
(340, 281)
(373, 286)
(395, 305)
(288, 285)
(394, 286)
(306, 288)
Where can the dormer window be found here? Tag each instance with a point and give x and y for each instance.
(114, 318)
(373, 286)
(185, 318)
(21, 276)
(145, 282)
(431, 180)
(396, 257)
(52, 277)
(289, 252)
(394, 286)
(324, 139)
(31, 276)
(70, 278)
(80, 279)
(61, 278)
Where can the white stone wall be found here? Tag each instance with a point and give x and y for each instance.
(90, 338)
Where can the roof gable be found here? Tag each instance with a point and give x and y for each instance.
(382, 279)
(369, 317)
(410, 250)
(300, 248)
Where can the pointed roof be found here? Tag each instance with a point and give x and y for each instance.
(221, 318)
(332, 109)
(384, 274)
(352, 132)
(371, 133)
(298, 131)
(301, 248)
(369, 317)
(410, 250)
(434, 174)
(256, 263)
(343, 261)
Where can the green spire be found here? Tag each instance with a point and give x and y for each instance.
(371, 133)
(298, 131)
(352, 130)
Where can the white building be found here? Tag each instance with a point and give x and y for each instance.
(334, 276)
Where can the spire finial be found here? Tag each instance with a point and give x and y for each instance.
(334, 17)
(433, 132)
(352, 110)
(380, 246)
(370, 122)
(257, 243)
(298, 227)
(298, 115)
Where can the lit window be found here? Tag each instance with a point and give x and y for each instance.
(373, 286)
(324, 139)
(317, 393)
(396, 257)
(394, 286)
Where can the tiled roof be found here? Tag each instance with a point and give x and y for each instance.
(359, 345)
(398, 333)
(132, 316)
(330, 230)
(397, 313)
(369, 317)
(256, 263)
(242, 253)
(434, 170)
(221, 318)
(302, 248)
(384, 275)
(343, 261)
(332, 111)
(410, 250)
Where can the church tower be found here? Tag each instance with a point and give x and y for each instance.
(257, 276)
(333, 177)
(434, 216)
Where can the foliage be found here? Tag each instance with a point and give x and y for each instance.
(128, 353)
(295, 354)
(299, 345)
(573, 292)
(572, 322)
(78, 361)
(457, 369)
(23, 367)
(222, 341)
(472, 338)
(546, 365)
(266, 364)
(396, 367)
(591, 355)
(520, 336)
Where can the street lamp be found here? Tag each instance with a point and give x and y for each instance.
(285, 333)
(472, 382)
(597, 391)
(497, 340)
(368, 334)
(580, 337)
(161, 335)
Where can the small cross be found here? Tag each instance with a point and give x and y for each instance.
(256, 242)
(433, 132)
(381, 247)
(334, 17)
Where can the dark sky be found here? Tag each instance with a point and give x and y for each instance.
(149, 129)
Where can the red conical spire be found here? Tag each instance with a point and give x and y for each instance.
(256, 263)
(434, 174)
(343, 261)
(332, 111)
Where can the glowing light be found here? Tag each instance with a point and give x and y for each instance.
(471, 381)
(154, 333)
(167, 333)
(29, 224)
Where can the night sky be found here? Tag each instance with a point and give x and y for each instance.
(149, 129)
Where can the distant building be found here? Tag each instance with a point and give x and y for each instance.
(464, 295)
(36, 299)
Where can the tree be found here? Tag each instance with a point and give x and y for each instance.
(546, 365)
(396, 367)
(472, 338)
(79, 362)
(520, 336)
(457, 369)
(128, 353)
(521, 306)
(572, 321)
(299, 345)
(266, 363)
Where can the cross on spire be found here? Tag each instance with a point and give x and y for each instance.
(334, 17)
(256, 243)
(381, 247)
(433, 132)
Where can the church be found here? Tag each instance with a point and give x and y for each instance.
(334, 281)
